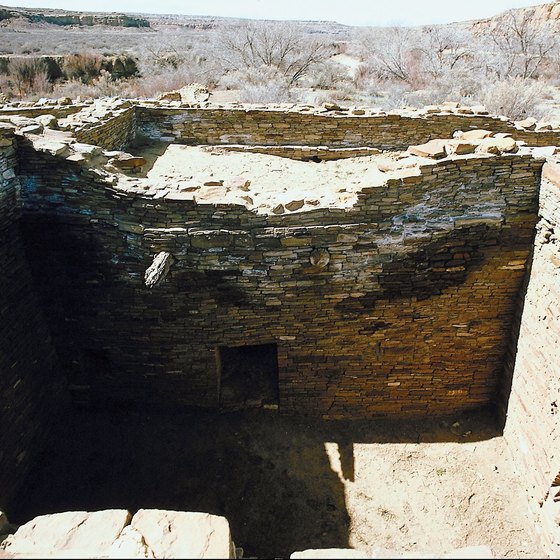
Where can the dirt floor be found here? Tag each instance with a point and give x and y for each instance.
(258, 181)
(288, 484)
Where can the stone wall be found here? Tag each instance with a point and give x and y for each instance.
(303, 153)
(31, 386)
(250, 125)
(111, 128)
(532, 425)
(59, 111)
(410, 315)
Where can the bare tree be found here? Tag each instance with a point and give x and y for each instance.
(28, 75)
(443, 49)
(522, 45)
(391, 52)
(277, 46)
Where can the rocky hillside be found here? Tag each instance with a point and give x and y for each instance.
(65, 18)
(548, 14)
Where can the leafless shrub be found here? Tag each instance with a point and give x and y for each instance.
(515, 98)
(394, 95)
(391, 52)
(28, 75)
(520, 46)
(328, 75)
(278, 46)
(82, 66)
(102, 86)
(261, 85)
(7, 87)
(443, 50)
(363, 77)
(275, 92)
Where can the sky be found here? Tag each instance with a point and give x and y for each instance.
(349, 12)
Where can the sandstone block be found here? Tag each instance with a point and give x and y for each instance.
(179, 534)
(48, 121)
(155, 274)
(461, 147)
(329, 553)
(470, 552)
(433, 149)
(32, 129)
(498, 146)
(477, 134)
(130, 544)
(88, 534)
(170, 96)
(295, 204)
(194, 93)
(529, 123)
(332, 106)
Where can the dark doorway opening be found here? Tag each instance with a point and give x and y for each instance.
(248, 376)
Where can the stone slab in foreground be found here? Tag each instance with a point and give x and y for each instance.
(466, 552)
(117, 534)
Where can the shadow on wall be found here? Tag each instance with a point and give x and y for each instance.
(280, 481)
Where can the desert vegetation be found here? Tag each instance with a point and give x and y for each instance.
(508, 64)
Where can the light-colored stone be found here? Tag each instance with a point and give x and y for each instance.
(434, 149)
(470, 552)
(48, 121)
(543, 126)
(332, 106)
(127, 162)
(32, 129)
(170, 96)
(529, 123)
(155, 274)
(130, 544)
(461, 147)
(238, 183)
(498, 146)
(79, 532)
(477, 134)
(179, 534)
(329, 553)
(52, 147)
(194, 93)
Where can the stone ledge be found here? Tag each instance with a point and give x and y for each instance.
(150, 533)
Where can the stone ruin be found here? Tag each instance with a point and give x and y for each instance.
(340, 263)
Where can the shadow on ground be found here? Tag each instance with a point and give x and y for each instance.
(268, 474)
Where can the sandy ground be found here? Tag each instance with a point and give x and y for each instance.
(270, 180)
(261, 182)
(288, 484)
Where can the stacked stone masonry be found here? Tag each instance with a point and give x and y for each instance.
(31, 386)
(401, 303)
(410, 316)
(532, 425)
(270, 127)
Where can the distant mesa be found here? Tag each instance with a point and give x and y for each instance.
(66, 18)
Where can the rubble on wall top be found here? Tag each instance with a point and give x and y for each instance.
(262, 183)
(191, 98)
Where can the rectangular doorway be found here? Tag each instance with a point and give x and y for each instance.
(248, 376)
